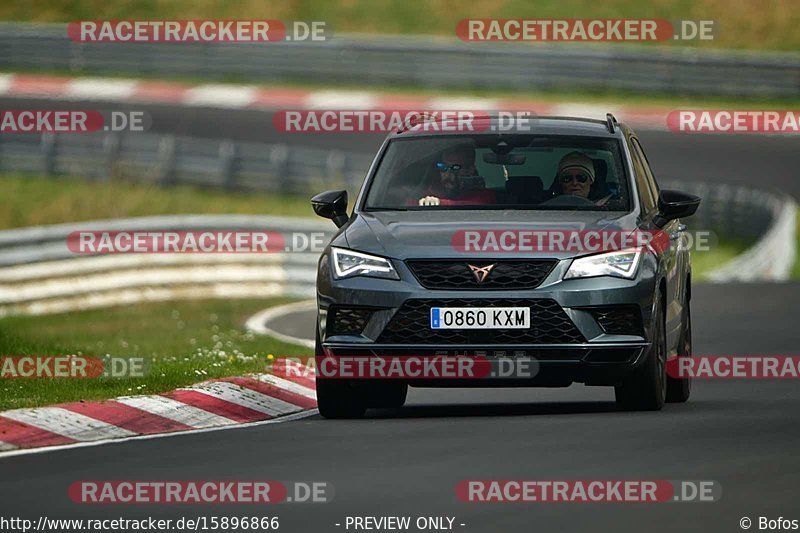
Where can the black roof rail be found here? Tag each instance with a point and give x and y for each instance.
(610, 121)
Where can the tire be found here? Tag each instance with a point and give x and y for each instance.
(337, 398)
(679, 389)
(387, 395)
(645, 389)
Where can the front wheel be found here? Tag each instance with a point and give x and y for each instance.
(338, 398)
(679, 389)
(645, 389)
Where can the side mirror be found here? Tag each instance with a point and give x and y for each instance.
(332, 205)
(676, 204)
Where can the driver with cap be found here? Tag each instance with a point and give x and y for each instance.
(575, 174)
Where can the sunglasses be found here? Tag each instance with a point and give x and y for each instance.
(580, 178)
(444, 167)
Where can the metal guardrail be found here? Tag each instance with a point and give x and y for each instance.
(173, 160)
(40, 275)
(416, 61)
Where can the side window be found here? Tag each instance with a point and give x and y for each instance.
(648, 169)
(643, 180)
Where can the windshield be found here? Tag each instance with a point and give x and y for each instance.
(500, 172)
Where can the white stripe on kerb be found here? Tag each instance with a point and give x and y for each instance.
(6, 446)
(341, 100)
(230, 392)
(176, 411)
(6, 82)
(67, 423)
(220, 96)
(100, 89)
(290, 386)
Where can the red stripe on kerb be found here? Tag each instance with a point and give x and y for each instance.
(158, 91)
(25, 436)
(39, 85)
(219, 407)
(276, 392)
(126, 417)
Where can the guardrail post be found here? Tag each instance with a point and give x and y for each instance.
(227, 164)
(111, 147)
(334, 167)
(48, 146)
(166, 160)
(279, 160)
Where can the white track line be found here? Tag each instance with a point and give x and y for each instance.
(174, 410)
(233, 393)
(258, 322)
(67, 423)
(290, 386)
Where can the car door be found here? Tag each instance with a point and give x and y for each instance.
(675, 256)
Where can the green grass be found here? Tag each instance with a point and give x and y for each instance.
(36, 200)
(719, 254)
(752, 24)
(183, 343)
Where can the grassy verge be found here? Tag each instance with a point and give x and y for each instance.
(722, 252)
(54, 200)
(753, 24)
(182, 343)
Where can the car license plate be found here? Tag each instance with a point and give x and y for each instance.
(480, 317)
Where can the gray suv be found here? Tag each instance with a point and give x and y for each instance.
(551, 242)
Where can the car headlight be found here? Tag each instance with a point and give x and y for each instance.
(621, 264)
(348, 263)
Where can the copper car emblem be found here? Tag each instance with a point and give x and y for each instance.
(480, 273)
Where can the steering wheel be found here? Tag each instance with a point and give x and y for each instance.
(569, 200)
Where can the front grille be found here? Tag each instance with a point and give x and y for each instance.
(454, 274)
(549, 324)
(619, 320)
(347, 320)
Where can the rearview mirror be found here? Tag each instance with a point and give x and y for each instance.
(676, 204)
(504, 159)
(332, 205)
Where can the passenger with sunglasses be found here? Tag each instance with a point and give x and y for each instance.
(575, 174)
(455, 169)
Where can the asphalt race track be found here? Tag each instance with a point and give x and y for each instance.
(743, 434)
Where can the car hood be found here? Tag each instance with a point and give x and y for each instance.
(430, 234)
